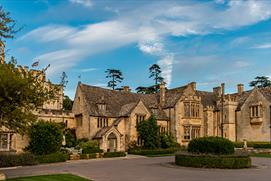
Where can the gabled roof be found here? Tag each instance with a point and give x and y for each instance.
(207, 98)
(173, 95)
(117, 103)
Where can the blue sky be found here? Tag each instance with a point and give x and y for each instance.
(209, 42)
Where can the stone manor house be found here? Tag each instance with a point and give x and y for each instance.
(110, 116)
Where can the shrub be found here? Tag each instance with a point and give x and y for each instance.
(154, 152)
(89, 147)
(10, 160)
(264, 145)
(213, 161)
(114, 154)
(211, 145)
(238, 144)
(70, 137)
(45, 138)
(168, 141)
(52, 158)
(88, 156)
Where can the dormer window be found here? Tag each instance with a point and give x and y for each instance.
(102, 107)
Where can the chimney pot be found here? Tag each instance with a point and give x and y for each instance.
(126, 88)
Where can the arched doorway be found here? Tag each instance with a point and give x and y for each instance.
(112, 142)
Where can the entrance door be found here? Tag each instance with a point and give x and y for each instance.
(112, 143)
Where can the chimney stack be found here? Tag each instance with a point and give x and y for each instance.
(126, 88)
(194, 85)
(20, 68)
(162, 88)
(240, 89)
(217, 91)
(223, 88)
(26, 68)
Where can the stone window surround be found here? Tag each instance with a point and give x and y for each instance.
(256, 110)
(191, 132)
(5, 145)
(191, 109)
(139, 118)
(102, 122)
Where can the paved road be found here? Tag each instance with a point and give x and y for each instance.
(146, 169)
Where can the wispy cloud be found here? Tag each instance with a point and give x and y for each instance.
(87, 70)
(86, 3)
(163, 19)
(263, 46)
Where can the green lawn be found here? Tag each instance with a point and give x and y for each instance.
(265, 155)
(59, 177)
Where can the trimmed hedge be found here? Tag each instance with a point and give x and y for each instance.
(114, 154)
(91, 150)
(11, 160)
(213, 161)
(211, 145)
(88, 156)
(265, 145)
(154, 152)
(52, 158)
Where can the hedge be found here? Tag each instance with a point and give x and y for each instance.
(211, 145)
(11, 160)
(154, 152)
(213, 161)
(52, 158)
(88, 156)
(114, 154)
(266, 145)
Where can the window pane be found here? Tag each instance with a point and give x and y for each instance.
(3, 141)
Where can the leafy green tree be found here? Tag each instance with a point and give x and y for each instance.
(155, 73)
(7, 25)
(115, 76)
(148, 130)
(67, 103)
(45, 138)
(21, 92)
(260, 82)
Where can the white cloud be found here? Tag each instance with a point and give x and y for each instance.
(151, 47)
(166, 64)
(88, 70)
(147, 26)
(86, 3)
(263, 46)
(241, 64)
(50, 33)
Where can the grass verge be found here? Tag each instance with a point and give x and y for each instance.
(263, 155)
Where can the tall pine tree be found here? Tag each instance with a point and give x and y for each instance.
(115, 76)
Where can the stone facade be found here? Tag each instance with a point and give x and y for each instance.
(50, 111)
(185, 112)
